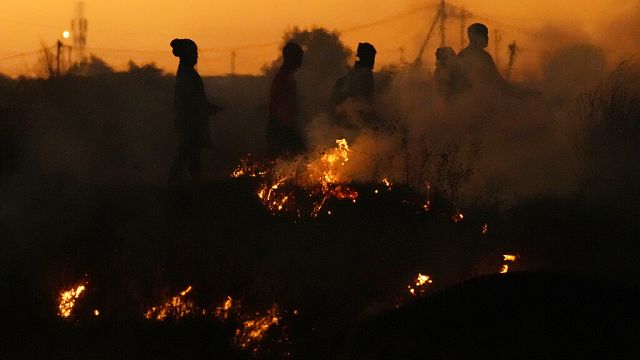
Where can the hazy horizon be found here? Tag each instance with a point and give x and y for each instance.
(117, 33)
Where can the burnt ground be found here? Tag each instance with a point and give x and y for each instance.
(346, 275)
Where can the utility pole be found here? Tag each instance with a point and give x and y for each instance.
(79, 28)
(513, 54)
(58, 46)
(497, 40)
(440, 17)
(443, 23)
(234, 57)
(463, 15)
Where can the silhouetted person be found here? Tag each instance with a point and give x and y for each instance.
(447, 72)
(192, 111)
(283, 128)
(353, 94)
(478, 71)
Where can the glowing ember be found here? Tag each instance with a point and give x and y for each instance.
(253, 330)
(507, 258)
(177, 307)
(223, 312)
(427, 205)
(96, 312)
(387, 183)
(420, 285)
(458, 217)
(68, 300)
(321, 177)
(272, 197)
(485, 229)
(331, 162)
(328, 191)
(248, 167)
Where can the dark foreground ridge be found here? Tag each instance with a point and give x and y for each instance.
(335, 278)
(520, 315)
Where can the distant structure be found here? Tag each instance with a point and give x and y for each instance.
(443, 13)
(513, 54)
(234, 56)
(79, 32)
(497, 42)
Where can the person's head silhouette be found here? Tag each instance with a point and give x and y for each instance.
(292, 56)
(186, 50)
(366, 54)
(478, 35)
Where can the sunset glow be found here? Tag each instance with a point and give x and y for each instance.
(253, 29)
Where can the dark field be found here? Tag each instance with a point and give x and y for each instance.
(346, 275)
(84, 200)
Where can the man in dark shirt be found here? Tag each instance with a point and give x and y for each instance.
(283, 128)
(353, 94)
(477, 71)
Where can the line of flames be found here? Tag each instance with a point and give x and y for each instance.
(179, 306)
(322, 177)
(250, 332)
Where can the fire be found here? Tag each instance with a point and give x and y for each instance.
(68, 300)
(420, 285)
(507, 258)
(337, 191)
(458, 217)
(387, 183)
(321, 177)
(253, 330)
(248, 167)
(272, 198)
(223, 312)
(177, 307)
(427, 205)
(331, 162)
(485, 229)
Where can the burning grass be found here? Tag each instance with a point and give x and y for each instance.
(292, 186)
(68, 299)
(178, 307)
(420, 285)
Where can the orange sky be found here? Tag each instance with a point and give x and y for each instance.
(147, 26)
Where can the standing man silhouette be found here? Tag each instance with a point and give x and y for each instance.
(192, 111)
(284, 137)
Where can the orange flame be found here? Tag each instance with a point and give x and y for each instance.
(253, 330)
(504, 269)
(177, 307)
(387, 183)
(68, 300)
(223, 312)
(420, 285)
(507, 258)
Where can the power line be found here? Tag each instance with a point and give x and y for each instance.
(23, 54)
(409, 13)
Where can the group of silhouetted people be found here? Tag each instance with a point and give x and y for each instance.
(472, 69)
